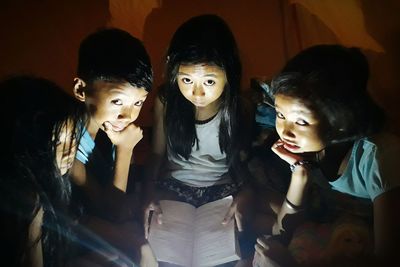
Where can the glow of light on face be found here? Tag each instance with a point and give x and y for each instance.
(116, 103)
(297, 125)
(201, 84)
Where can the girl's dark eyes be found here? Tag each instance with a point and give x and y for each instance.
(302, 122)
(139, 103)
(117, 102)
(209, 82)
(186, 80)
(279, 115)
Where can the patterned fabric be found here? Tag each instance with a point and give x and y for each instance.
(197, 196)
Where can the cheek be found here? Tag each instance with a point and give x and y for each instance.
(182, 87)
(135, 113)
(278, 126)
(313, 140)
(105, 111)
(215, 92)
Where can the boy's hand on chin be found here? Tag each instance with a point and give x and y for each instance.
(127, 138)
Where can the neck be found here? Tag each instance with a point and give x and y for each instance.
(334, 159)
(204, 113)
(93, 128)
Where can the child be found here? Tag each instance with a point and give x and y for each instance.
(331, 132)
(198, 120)
(114, 78)
(42, 126)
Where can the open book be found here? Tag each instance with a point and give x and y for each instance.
(192, 236)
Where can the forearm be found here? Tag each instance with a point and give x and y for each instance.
(121, 170)
(152, 170)
(295, 196)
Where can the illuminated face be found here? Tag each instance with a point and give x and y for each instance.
(116, 103)
(66, 148)
(201, 84)
(297, 125)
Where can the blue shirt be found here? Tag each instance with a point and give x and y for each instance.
(97, 164)
(372, 168)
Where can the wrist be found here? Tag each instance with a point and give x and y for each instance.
(302, 165)
(293, 207)
(122, 150)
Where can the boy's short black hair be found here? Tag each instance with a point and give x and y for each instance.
(114, 55)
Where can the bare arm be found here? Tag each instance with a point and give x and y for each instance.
(107, 201)
(386, 225)
(297, 189)
(152, 168)
(158, 147)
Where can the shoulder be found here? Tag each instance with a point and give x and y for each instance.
(85, 147)
(379, 160)
(384, 144)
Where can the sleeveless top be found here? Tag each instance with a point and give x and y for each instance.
(206, 165)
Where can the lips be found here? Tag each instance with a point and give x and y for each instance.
(198, 103)
(290, 146)
(117, 127)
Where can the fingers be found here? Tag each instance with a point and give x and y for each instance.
(259, 249)
(229, 215)
(239, 221)
(153, 209)
(262, 246)
(158, 213)
(108, 130)
(263, 241)
(278, 146)
(146, 222)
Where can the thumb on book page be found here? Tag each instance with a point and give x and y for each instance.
(229, 215)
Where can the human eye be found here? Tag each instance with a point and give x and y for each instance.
(186, 80)
(139, 103)
(280, 115)
(117, 102)
(302, 122)
(209, 82)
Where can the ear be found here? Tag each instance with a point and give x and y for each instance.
(79, 89)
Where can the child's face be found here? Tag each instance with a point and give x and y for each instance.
(297, 125)
(116, 103)
(201, 84)
(65, 148)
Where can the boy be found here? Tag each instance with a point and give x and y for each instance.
(114, 78)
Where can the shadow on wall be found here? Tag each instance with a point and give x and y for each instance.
(42, 37)
(256, 25)
(383, 24)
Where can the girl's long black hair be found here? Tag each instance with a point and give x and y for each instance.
(204, 39)
(35, 112)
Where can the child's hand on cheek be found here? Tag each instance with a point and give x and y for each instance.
(284, 154)
(125, 139)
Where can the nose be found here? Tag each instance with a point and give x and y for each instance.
(126, 113)
(198, 90)
(287, 131)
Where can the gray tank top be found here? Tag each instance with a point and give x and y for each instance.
(206, 165)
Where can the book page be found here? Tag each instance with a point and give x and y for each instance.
(172, 241)
(214, 243)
